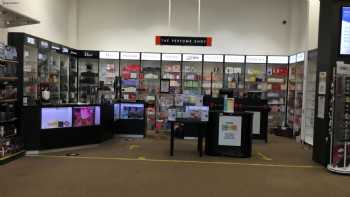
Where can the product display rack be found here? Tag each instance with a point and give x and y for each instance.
(64, 75)
(277, 79)
(255, 75)
(54, 74)
(44, 63)
(291, 91)
(73, 76)
(192, 72)
(234, 73)
(131, 76)
(88, 74)
(11, 138)
(109, 71)
(213, 67)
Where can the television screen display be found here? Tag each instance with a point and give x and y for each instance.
(132, 111)
(86, 116)
(54, 118)
(345, 31)
(116, 112)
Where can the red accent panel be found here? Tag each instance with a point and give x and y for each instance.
(209, 41)
(157, 40)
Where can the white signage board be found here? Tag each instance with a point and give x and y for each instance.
(150, 56)
(130, 56)
(213, 58)
(300, 57)
(278, 60)
(230, 131)
(171, 57)
(256, 59)
(109, 55)
(234, 58)
(293, 59)
(192, 57)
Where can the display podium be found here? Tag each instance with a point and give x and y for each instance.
(229, 134)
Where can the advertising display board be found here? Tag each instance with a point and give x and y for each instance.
(54, 118)
(230, 131)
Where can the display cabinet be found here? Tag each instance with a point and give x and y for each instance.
(171, 70)
(109, 71)
(131, 76)
(291, 91)
(213, 67)
(64, 75)
(255, 78)
(73, 76)
(277, 79)
(340, 116)
(54, 74)
(30, 67)
(44, 59)
(192, 71)
(234, 73)
(88, 76)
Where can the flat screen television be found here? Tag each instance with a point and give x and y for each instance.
(345, 31)
(86, 116)
(130, 111)
(55, 118)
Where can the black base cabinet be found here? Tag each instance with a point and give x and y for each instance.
(212, 145)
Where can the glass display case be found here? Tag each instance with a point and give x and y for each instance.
(131, 76)
(73, 76)
(291, 91)
(30, 71)
(255, 78)
(339, 118)
(88, 76)
(192, 68)
(277, 79)
(213, 74)
(54, 74)
(151, 76)
(109, 70)
(64, 75)
(171, 70)
(44, 56)
(234, 73)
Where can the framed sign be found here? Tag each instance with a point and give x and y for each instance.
(184, 41)
(230, 131)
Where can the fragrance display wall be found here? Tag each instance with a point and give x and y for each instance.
(108, 76)
(131, 76)
(277, 77)
(192, 72)
(255, 75)
(234, 73)
(88, 75)
(213, 74)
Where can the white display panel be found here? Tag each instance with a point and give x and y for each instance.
(130, 56)
(293, 59)
(54, 118)
(171, 57)
(234, 58)
(256, 122)
(278, 60)
(256, 59)
(230, 131)
(345, 32)
(213, 58)
(150, 56)
(300, 57)
(192, 58)
(109, 55)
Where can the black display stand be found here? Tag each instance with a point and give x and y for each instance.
(37, 139)
(212, 146)
(200, 128)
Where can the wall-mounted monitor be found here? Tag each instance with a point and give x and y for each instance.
(345, 31)
(55, 118)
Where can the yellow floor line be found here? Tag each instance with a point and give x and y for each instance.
(133, 147)
(181, 161)
(264, 157)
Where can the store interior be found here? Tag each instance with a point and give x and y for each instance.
(177, 85)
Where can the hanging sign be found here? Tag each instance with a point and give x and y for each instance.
(184, 41)
(278, 60)
(234, 58)
(171, 57)
(213, 58)
(150, 56)
(192, 58)
(111, 55)
(130, 56)
(256, 59)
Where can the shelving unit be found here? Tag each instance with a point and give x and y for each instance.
(131, 76)
(192, 72)
(109, 71)
(234, 73)
(88, 76)
(73, 76)
(255, 75)
(277, 79)
(64, 75)
(213, 70)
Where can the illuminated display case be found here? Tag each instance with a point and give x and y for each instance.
(234, 73)
(212, 74)
(73, 76)
(88, 76)
(109, 70)
(64, 75)
(151, 76)
(277, 79)
(192, 68)
(131, 76)
(255, 75)
(30, 70)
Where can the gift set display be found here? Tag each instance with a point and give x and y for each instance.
(11, 139)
